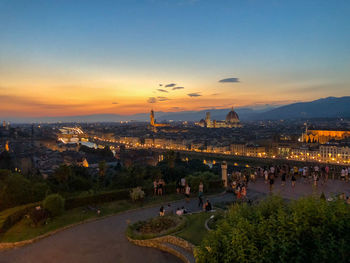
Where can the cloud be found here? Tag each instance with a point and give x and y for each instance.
(229, 80)
(34, 103)
(160, 85)
(152, 100)
(175, 108)
(195, 94)
(162, 98)
(163, 90)
(114, 103)
(175, 88)
(215, 94)
(170, 85)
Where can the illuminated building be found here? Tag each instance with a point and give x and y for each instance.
(324, 136)
(153, 121)
(231, 121)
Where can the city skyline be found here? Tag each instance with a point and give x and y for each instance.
(60, 58)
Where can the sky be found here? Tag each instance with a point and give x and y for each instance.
(65, 57)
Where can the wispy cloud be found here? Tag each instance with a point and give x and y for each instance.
(163, 90)
(175, 108)
(229, 80)
(170, 85)
(194, 94)
(152, 100)
(34, 103)
(176, 88)
(162, 98)
(114, 103)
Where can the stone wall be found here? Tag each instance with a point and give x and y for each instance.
(158, 243)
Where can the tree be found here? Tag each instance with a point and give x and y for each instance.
(307, 230)
(102, 168)
(62, 173)
(14, 190)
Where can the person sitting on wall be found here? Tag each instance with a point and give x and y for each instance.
(207, 206)
(179, 212)
(161, 211)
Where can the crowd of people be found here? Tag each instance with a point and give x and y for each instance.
(314, 175)
(240, 179)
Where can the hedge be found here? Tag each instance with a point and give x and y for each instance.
(75, 202)
(11, 216)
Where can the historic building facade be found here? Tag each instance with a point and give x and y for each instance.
(231, 121)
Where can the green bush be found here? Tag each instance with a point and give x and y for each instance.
(54, 204)
(39, 191)
(97, 198)
(137, 194)
(307, 230)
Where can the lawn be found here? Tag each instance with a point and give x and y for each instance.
(195, 230)
(24, 229)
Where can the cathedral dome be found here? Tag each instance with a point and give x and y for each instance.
(232, 117)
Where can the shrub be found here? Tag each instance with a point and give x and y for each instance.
(97, 198)
(307, 230)
(39, 191)
(54, 204)
(137, 194)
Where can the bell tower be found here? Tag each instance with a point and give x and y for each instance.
(152, 118)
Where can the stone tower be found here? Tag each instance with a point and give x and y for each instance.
(207, 120)
(152, 118)
(224, 173)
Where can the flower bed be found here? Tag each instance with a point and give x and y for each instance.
(158, 226)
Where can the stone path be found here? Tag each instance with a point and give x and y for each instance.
(104, 240)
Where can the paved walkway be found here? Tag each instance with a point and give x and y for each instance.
(104, 240)
(302, 188)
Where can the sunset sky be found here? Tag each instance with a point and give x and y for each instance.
(74, 57)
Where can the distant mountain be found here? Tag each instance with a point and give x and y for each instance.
(216, 114)
(330, 107)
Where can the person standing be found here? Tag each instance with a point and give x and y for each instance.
(187, 192)
(293, 180)
(326, 170)
(183, 184)
(200, 199)
(266, 176)
(155, 186)
(272, 181)
(283, 178)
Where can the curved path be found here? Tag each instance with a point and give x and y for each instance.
(99, 241)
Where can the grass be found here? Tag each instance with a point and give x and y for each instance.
(195, 230)
(24, 229)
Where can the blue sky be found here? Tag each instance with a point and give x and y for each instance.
(120, 51)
